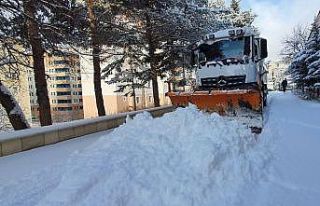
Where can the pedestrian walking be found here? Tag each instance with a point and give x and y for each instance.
(284, 84)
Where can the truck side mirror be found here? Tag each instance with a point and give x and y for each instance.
(264, 48)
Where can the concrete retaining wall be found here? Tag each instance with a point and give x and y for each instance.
(18, 141)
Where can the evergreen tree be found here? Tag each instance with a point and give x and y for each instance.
(35, 26)
(298, 68)
(97, 28)
(305, 66)
(159, 33)
(313, 59)
(235, 6)
(240, 18)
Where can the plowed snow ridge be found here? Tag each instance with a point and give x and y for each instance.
(184, 158)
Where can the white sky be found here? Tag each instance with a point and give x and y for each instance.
(276, 18)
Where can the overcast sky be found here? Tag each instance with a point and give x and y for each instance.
(276, 18)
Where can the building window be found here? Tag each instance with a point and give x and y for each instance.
(64, 101)
(80, 100)
(63, 78)
(137, 100)
(61, 70)
(57, 62)
(150, 99)
(124, 99)
(63, 93)
(64, 108)
(63, 85)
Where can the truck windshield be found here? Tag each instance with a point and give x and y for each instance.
(224, 49)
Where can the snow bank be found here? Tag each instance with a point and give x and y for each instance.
(184, 158)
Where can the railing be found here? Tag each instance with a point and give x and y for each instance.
(18, 141)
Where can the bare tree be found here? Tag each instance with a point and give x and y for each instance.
(295, 42)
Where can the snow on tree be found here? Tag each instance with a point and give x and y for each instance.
(156, 35)
(298, 68)
(305, 66)
(237, 18)
(235, 6)
(13, 109)
(313, 59)
(159, 34)
(93, 31)
(35, 26)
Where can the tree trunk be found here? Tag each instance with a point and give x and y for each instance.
(38, 62)
(154, 75)
(96, 60)
(155, 90)
(14, 111)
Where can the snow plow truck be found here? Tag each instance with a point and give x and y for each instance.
(230, 76)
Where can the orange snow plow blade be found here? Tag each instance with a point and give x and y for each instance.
(220, 101)
(245, 105)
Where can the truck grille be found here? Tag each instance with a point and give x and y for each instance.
(223, 81)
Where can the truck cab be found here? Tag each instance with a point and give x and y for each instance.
(231, 59)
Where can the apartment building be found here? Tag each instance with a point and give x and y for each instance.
(115, 102)
(64, 88)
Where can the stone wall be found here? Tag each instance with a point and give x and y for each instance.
(18, 141)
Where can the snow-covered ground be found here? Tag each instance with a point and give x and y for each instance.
(184, 158)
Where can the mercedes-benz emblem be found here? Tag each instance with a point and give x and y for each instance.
(222, 81)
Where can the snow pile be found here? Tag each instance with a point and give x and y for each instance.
(184, 158)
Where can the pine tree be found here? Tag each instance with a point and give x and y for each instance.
(155, 34)
(298, 68)
(159, 33)
(37, 27)
(239, 18)
(95, 30)
(96, 49)
(235, 6)
(313, 59)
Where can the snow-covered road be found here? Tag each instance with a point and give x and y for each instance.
(184, 158)
(294, 178)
